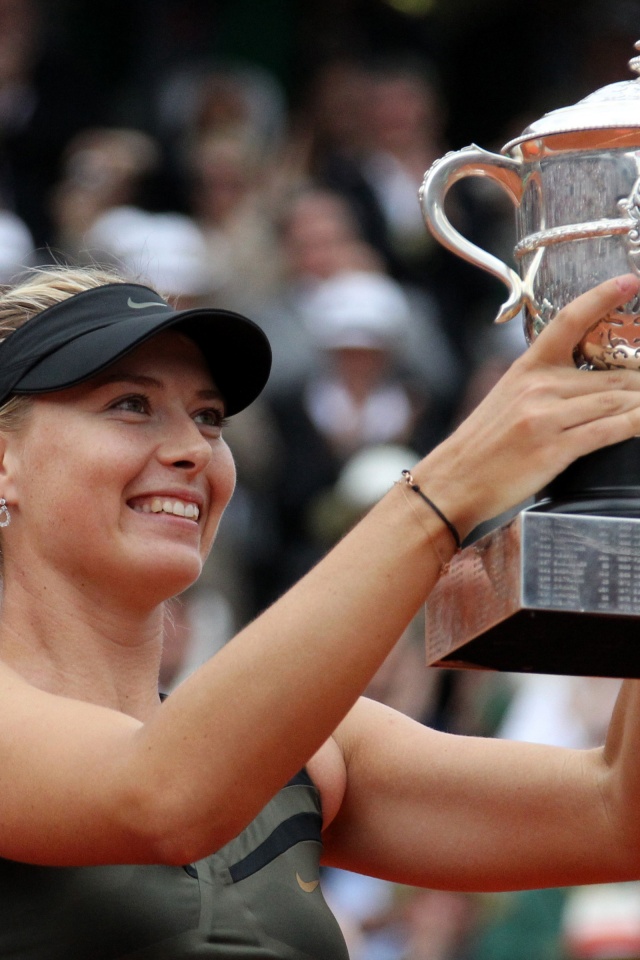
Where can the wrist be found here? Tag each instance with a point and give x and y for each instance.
(409, 481)
(429, 524)
(459, 492)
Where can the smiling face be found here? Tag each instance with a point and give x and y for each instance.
(120, 483)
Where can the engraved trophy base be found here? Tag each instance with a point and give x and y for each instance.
(555, 590)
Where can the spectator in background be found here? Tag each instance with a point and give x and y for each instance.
(102, 168)
(202, 99)
(229, 199)
(406, 124)
(405, 135)
(363, 324)
(361, 391)
(221, 126)
(327, 139)
(44, 101)
(368, 131)
(318, 238)
(167, 250)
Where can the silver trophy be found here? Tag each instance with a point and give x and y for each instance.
(557, 589)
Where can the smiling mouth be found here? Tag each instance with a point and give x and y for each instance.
(177, 508)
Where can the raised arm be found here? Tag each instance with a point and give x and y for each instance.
(466, 813)
(89, 785)
(435, 810)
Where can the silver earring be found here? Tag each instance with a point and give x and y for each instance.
(5, 516)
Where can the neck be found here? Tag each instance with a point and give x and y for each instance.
(60, 639)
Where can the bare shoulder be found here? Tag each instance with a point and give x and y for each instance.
(64, 760)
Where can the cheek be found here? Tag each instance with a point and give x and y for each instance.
(222, 477)
(222, 481)
(57, 499)
(57, 483)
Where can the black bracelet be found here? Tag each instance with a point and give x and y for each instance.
(408, 479)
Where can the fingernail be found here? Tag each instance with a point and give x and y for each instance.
(627, 284)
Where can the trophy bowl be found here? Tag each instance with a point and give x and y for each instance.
(574, 178)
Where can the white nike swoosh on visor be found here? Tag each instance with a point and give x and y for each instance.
(140, 306)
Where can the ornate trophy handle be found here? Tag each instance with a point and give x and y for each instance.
(473, 161)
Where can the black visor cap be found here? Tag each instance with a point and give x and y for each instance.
(81, 336)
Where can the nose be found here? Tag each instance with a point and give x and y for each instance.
(183, 446)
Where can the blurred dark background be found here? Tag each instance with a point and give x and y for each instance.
(497, 59)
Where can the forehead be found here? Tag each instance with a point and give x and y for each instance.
(170, 352)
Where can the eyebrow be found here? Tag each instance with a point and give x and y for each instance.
(140, 380)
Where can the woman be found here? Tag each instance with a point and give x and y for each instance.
(192, 828)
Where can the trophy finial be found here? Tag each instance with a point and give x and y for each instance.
(634, 63)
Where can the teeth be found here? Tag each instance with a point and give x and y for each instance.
(178, 508)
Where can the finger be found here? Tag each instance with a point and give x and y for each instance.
(596, 434)
(598, 407)
(558, 340)
(580, 429)
(566, 382)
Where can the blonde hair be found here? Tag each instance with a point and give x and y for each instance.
(42, 287)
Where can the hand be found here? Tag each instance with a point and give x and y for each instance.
(542, 415)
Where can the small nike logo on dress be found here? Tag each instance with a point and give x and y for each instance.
(140, 306)
(307, 885)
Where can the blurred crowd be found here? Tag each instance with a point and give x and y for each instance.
(306, 218)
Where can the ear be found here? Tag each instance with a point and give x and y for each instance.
(8, 462)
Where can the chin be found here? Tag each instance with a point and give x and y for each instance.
(166, 576)
(176, 581)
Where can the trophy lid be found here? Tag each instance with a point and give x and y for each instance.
(614, 107)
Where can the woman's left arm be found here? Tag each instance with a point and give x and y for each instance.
(444, 811)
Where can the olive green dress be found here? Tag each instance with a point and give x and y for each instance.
(256, 899)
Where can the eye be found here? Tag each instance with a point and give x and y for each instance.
(210, 417)
(132, 403)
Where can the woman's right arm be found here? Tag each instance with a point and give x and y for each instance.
(83, 784)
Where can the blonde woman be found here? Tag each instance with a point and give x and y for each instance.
(195, 827)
